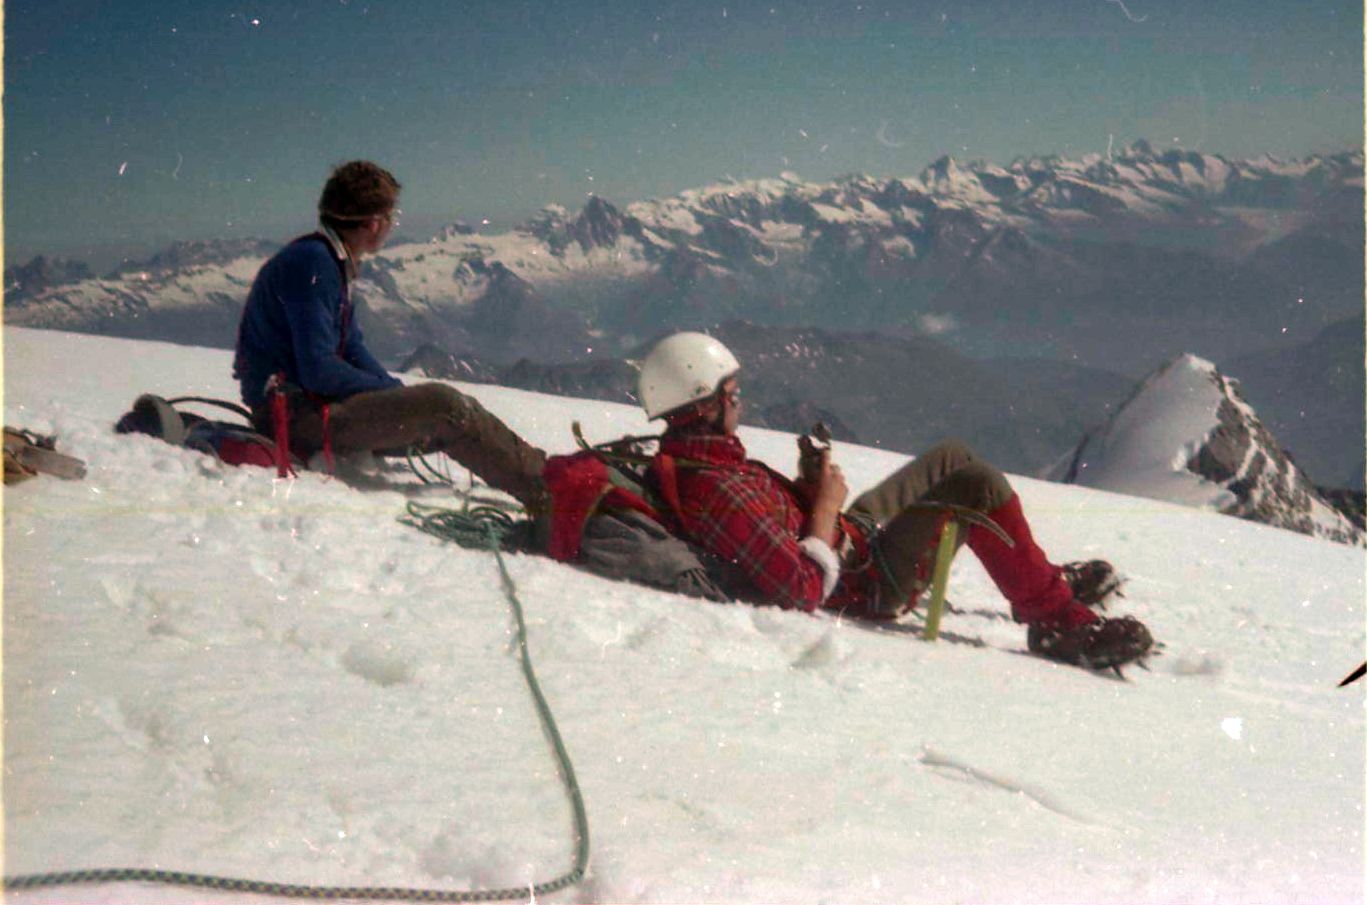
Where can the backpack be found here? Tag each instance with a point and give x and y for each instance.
(607, 518)
(230, 442)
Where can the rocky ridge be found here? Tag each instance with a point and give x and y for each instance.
(1187, 435)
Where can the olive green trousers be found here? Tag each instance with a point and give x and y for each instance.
(949, 472)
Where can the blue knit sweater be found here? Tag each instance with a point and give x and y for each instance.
(298, 321)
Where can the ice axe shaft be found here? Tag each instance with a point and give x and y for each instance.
(944, 555)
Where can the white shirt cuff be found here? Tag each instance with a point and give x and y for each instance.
(821, 553)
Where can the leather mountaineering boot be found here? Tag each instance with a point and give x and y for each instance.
(1092, 582)
(1103, 643)
(1054, 601)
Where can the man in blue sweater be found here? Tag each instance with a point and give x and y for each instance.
(304, 368)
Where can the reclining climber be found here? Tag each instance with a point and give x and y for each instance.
(798, 548)
(310, 381)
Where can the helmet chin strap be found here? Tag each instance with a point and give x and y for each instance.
(697, 416)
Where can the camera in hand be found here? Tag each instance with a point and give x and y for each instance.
(810, 446)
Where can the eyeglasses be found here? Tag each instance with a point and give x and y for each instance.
(732, 395)
(392, 217)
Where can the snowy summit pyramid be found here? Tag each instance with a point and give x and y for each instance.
(1188, 436)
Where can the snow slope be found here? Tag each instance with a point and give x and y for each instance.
(211, 671)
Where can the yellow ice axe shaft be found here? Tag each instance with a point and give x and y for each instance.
(944, 554)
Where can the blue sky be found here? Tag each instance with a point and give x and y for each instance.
(130, 123)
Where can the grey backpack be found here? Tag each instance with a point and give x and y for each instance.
(631, 546)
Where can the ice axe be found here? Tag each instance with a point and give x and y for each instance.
(954, 515)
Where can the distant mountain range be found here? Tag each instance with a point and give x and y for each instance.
(1105, 264)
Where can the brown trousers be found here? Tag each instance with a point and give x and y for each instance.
(432, 417)
(949, 472)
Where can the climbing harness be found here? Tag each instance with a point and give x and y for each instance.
(485, 526)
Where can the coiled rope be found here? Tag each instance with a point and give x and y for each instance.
(485, 526)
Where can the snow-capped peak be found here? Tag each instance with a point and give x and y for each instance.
(1188, 436)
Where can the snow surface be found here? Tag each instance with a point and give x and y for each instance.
(209, 670)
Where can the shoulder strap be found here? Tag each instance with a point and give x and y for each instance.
(618, 450)
(667, 477)
(221, 403)
(318, 236)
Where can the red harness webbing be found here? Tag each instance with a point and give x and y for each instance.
(667, 479)
(326, 411)
(280, 424)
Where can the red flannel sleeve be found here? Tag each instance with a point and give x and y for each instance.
(745, 517)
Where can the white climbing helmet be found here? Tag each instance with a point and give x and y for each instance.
(683, 368)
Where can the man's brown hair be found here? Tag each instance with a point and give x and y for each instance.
(355, 192)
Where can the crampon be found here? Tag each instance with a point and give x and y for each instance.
(1105, 644)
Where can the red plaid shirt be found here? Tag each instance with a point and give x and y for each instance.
(744, 512)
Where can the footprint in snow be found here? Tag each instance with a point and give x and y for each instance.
(825, 651)
(141, 727)
(1197, 663)
(120, 588)
(463, 860)
(379, 663)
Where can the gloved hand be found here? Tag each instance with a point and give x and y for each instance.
(632, 546)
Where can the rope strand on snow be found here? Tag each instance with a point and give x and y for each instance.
(486, 527)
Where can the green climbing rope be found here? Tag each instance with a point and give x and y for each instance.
(425, 470)
(491, 527)
(484, 526)
(475, 526)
